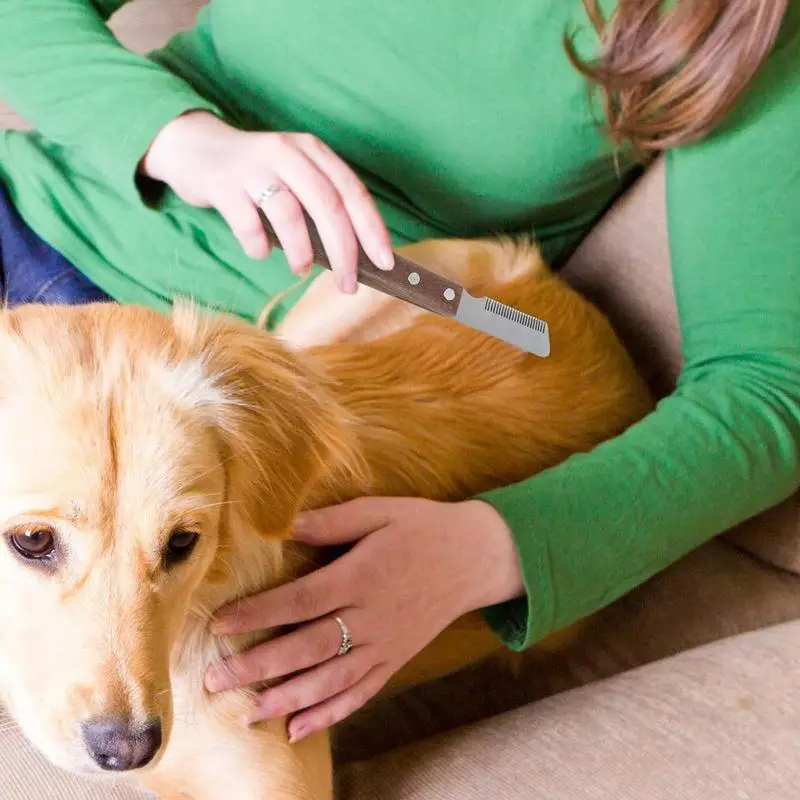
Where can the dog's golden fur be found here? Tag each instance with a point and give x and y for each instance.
(119, 425)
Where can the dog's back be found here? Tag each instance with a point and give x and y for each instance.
(449, 412)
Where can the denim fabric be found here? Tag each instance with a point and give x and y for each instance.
(33, 272)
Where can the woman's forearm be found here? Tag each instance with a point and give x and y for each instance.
(725, 445)
(64, 71)
(720, 450)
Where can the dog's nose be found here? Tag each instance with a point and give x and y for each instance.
(119, 744)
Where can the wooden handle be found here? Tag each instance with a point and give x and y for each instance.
(407, 281)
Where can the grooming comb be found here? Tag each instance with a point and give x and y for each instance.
(426, 289)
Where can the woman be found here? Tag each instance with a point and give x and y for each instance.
(459, 123)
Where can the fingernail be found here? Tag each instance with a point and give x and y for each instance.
(297, 733)
(386, 260)
(256, 715)
(301, 521)
(268, 708)
(302, 526)
(258, 251)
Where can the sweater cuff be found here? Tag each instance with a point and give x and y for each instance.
(119, 162)
(521, 622)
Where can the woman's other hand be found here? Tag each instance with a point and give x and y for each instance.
(416, 567)
(210, 164)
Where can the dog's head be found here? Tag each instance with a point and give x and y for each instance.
(134, 449)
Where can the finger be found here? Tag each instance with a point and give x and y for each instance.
(346, 522)
(306, 647)
(320, 198)
(285, 213)
(237, 209)
(361, 207)
(303, 599)
(313, 687)
(339, 707)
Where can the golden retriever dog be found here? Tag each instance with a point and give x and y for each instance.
(151, 468)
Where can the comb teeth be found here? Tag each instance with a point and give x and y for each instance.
(515, 315)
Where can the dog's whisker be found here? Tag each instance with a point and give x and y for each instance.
(218, 504)
(194, 478)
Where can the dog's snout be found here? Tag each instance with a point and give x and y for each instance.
(120, 744)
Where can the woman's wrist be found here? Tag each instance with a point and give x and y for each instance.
(154, 163)
(489, 546)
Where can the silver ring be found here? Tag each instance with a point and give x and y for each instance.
(269, 192)
(346, 645)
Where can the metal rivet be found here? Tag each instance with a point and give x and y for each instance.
(413, 278)
(449, 294)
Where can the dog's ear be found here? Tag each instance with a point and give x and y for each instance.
(281, 427)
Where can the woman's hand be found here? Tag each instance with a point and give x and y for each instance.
(417, 566)
(209, 164)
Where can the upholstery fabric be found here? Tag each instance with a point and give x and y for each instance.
(714, 593)
(719, 722)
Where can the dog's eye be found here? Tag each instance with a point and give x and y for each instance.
(179, 547)
(34, 544)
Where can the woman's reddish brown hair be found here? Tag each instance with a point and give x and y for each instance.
(670, 77)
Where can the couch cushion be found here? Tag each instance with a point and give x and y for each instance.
(773, 536)
(719, 722)
(714, 593)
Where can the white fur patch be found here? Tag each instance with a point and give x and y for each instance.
(190, 384)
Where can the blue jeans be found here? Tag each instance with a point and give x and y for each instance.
(33, 272)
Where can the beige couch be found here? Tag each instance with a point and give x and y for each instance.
(683, 689)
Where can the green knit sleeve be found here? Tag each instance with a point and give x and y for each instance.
(64, 71)
(725, 445)
(106, 8)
